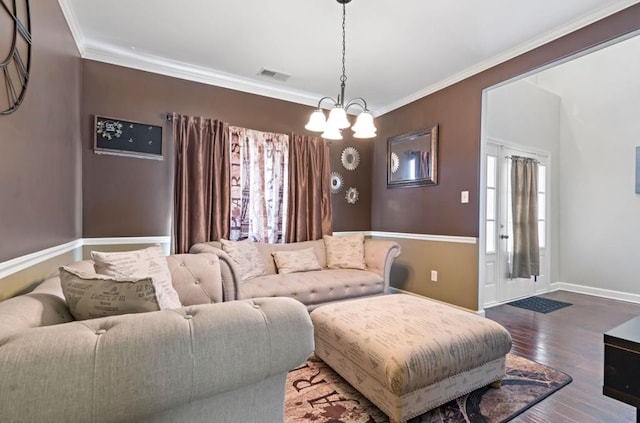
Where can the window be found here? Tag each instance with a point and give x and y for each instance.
(491, 206)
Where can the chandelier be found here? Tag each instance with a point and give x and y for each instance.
(331, 128)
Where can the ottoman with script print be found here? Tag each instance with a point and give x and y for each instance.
(408, 354)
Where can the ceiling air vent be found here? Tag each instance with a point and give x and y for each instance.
(268, 73)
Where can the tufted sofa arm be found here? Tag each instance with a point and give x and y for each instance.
(143, 367)
(196, 278)
(379, 256)
(228, 270)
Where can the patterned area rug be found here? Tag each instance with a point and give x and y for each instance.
(539, 304)
(315, 393)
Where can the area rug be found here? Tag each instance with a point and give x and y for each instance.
(539, 304)
(315, 393)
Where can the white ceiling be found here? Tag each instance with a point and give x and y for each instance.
(397, 51)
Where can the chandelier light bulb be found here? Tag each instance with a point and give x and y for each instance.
(317, 121)
(338, 118)
(364, 123)
(332, 133)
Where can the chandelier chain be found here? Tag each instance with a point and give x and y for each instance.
(343, 78)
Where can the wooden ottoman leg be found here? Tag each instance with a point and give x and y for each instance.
(496, 385)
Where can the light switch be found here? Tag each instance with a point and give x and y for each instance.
(464, 197)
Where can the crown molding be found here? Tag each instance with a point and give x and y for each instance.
(73, 24)
(163, 66)
(159, 65)
(509, 54)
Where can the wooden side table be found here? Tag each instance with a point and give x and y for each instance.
(622, 364)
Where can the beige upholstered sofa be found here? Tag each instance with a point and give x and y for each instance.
(312, 288)
(207, 361)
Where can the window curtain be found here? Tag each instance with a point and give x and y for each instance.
(310, 213)
(201, 184)
(259, 183)
(524, 203)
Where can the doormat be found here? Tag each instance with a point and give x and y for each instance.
(539, 304)
(315, 393)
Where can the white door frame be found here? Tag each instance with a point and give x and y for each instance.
(485, 139)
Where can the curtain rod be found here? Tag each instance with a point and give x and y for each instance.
(169, 117)
(522, 157)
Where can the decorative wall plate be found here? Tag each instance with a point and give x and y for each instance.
(337, 182)
(352, 195)
(395, 162)
(350, 158)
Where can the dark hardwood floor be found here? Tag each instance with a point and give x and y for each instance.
(571, 340)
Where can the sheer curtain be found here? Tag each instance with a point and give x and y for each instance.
(201, 184)
(259, 183)
(310, 214)
(524, 202)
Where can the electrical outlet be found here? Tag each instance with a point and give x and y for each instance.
(434, 276)
(464, 197)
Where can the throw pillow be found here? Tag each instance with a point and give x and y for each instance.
(296, 261)
(90, 295)
(149, 261)
(345, 252)
(246, 256)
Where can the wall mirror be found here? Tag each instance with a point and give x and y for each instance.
(412, 159)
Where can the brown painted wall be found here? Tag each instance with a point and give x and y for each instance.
(40, 170)
(437, 210)
(456, 284)
(132, 197)
(457, 110)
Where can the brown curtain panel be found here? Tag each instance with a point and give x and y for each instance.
(524, 202)
(309, 216)
(201, 205)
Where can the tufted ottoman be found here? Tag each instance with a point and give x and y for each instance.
(407, 354)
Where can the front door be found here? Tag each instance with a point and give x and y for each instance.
(499, 286)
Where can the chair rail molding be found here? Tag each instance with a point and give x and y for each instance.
(17, 264)
(420, 237)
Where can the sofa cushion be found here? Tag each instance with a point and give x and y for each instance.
(267, 249)
(296, 261)
(345, 252)
(149, 261)
(246, 256)
(90, 295)
(315, 287)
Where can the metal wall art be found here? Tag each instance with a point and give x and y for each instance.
(350, 158)
(352, 195)
(127, 138)
(337, 182)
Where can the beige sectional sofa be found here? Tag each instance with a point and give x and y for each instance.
(312, 288)
(206, 360)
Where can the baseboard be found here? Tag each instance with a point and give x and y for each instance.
(598, 292)
(393, 290)
(18, 264)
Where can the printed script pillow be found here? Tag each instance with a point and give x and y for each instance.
(90, 295)
(149, 261)
(344, 252)
(296, 261)
(246, 256)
